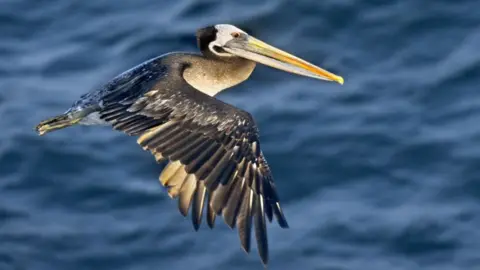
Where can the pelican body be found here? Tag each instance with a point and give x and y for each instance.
(212, 148)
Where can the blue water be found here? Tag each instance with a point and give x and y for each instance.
(380, 174)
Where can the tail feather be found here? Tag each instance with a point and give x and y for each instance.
(55, 123)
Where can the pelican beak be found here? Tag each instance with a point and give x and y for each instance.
(256, 50)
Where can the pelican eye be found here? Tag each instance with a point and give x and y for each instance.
(235, 34)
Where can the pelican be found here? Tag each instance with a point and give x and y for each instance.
(212, 148)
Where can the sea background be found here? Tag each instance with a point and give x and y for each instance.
(381, 173)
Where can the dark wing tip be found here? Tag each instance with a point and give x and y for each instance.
(261, 229)
(211, 215)
(281, 220)
(197, 207)
(244, 221)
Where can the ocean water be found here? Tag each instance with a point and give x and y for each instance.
(382, 173)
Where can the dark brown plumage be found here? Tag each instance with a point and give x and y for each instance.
(213, 151)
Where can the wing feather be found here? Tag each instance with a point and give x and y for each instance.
(213, 150)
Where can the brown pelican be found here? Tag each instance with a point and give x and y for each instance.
(212, 148)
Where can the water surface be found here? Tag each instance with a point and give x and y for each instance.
(381, 173)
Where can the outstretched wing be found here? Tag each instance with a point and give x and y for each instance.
(213, 150)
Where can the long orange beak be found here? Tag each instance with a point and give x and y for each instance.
(259, 51)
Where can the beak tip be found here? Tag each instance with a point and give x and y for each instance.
(340, 80)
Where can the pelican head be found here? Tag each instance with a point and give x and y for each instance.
(225, 40)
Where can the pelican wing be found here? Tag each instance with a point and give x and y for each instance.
(213, 150)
